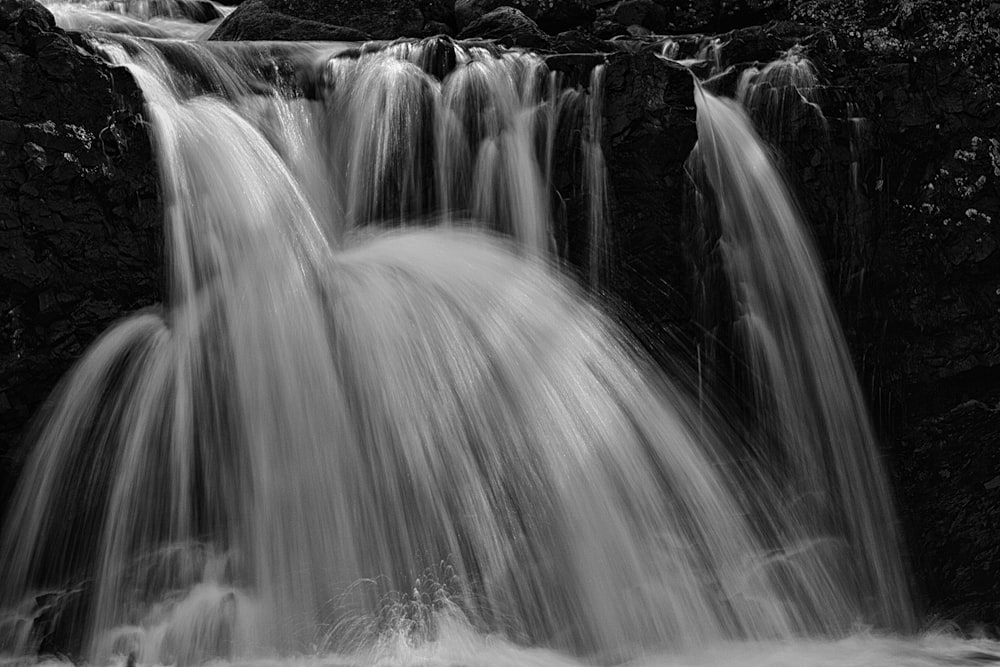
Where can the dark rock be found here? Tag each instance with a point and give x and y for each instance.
(649, 130)
(432, 28)
(607, 28)
(374, 19)
(509, 27)
(645, 13)
(950, 501)
(254, 20)
(552, 16)
(80, 225)
(715, 16)
(576, 41)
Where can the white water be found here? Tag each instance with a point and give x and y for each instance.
(417, 446)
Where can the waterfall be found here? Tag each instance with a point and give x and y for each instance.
(805, 396)
(380, 417)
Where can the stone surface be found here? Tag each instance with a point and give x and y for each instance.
(646, 13)
(377, 19)
(254, 20)
(552, 16)
(649, 132)
(80, 231)
(509, 27)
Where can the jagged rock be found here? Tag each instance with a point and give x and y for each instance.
(649, 130)
(947, 471)
(552, 16)
(509, 27)
(80, 225)
(374, 19)
(716, 16)
(253, 20)
(645, 13)
(577, 41)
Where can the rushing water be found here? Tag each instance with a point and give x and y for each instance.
(377, 421)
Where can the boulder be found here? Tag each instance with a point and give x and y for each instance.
(80, 220)
(253, 20)
(374, 19)
(552, 16)
(645, 13)
(509, 27)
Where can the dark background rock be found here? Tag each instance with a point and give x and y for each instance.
(646, 13)
(80, 230)
(649, 132)
(509, 27)
(254, 20)
(378, 19)
(552, 16)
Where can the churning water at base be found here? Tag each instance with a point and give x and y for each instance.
(349, 438)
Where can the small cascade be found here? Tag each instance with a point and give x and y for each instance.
(596, 182)
(807, 411)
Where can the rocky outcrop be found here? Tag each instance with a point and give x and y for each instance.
(254, 20)
(552, 16)
(670, 17)
(933, 317)
(508, 27)
(649, 132)
(375, 19)
(80, 231)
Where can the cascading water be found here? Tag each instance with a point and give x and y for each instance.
(807, 403)
(420, 445)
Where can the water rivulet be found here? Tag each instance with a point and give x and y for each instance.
(377, 418)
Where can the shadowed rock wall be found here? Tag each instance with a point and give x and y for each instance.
(80, 232)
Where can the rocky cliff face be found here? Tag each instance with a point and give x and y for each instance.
(80, 226)
(931, 318)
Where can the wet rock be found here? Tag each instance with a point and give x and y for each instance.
(254, 20)
(649, 130)
(80, 225)
(950, 498)
(645, 13)
(509, 27)
(714, 16)
(552, 16)
(375, 19)
(577, 41)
